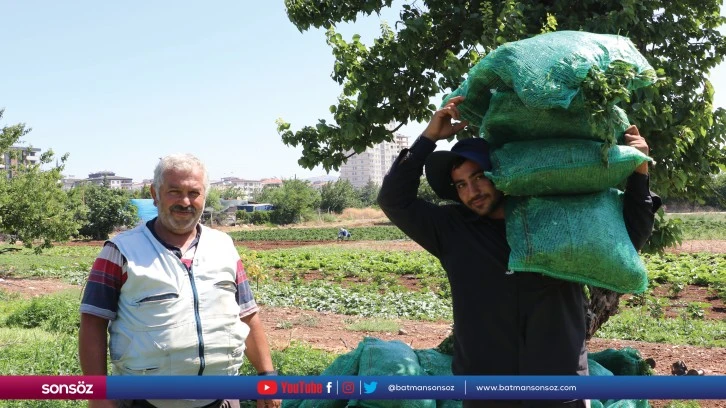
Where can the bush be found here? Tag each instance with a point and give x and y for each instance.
(297, 359)
(54, 313)
(259, 217)
(243, 217)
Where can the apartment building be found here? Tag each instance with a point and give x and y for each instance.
(16, 156)
(374, 163)
(112, 180)
(250, 188)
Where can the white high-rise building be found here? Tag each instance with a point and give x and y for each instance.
(374, 163)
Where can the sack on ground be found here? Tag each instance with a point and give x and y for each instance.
(379, 357)
(560, 166)
(580, 238)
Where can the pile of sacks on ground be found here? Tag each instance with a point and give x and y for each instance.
(375, 357)
(558, 165)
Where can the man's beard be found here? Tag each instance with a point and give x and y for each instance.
(495, 201)
(180, 226)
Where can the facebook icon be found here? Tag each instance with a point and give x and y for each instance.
(329, 386)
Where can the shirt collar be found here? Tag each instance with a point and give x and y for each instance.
(174, 249)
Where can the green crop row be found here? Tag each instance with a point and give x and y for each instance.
(381, 233)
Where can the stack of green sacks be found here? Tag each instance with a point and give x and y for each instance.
(556, 158)
(376, 357)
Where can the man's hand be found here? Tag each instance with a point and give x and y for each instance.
(634, 139)
(440, 126)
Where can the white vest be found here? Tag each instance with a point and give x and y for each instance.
(167, 325)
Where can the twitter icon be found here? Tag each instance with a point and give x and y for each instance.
(369, 388)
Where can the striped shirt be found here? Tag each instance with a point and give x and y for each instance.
(108, 274)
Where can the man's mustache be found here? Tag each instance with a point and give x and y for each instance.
(479, 197)
(179, 208)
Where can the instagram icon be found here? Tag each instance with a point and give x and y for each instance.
(347, 387)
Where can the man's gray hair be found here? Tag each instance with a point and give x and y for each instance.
(179, 162)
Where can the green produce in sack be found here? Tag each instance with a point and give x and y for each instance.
(549, 70)
(560, 166)
(580, 238)
(510, 120)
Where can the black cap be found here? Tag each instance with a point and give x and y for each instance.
(439, 165)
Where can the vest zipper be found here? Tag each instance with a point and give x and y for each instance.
(198, 319)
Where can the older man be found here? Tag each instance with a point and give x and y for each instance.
(175, 293)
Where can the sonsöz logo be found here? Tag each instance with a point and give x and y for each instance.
(80, 388)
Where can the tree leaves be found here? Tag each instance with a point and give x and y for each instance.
(394, 80)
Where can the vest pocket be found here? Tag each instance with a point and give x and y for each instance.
(172, 350)
(160, 311)
(158, 298)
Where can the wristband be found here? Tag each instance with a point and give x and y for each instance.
(273, 372)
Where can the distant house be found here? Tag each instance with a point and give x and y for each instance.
(111, 180)
(271, 182)
(249, 187)
(319, 184)
(70, 182)
(18, 156)
(251, 207)
(141, 184)
(108, 177)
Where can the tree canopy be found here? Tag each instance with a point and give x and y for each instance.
(431, 47)
(291, 200)
(33, 207)
(107, 208)
(338, 196)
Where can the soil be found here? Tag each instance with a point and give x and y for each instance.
(327, 331)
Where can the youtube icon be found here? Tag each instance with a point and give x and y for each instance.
(267, 387)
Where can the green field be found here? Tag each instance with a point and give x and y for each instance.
(366, 284)
(379, 233)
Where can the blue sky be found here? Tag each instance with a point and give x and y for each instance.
(120, 84)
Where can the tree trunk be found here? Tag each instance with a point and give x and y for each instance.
(603, 304)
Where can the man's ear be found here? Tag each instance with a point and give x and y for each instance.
(152, 190)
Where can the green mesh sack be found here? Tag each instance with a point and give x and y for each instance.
(626, 361)
(580, 238)
(379, 357)
(548, 71)
(596, 369)
(619, 404)
(560, 166)
(433, 362)
(345, 364)
(508, 119)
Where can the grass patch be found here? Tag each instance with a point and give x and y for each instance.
(682, 404)
(51, 404)
(639, 324)
(56, 313)
(702, 226)
(284, 324)
(297, 359)
(38, 352)
(69, 263)
(373, 325)
(307, 321)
